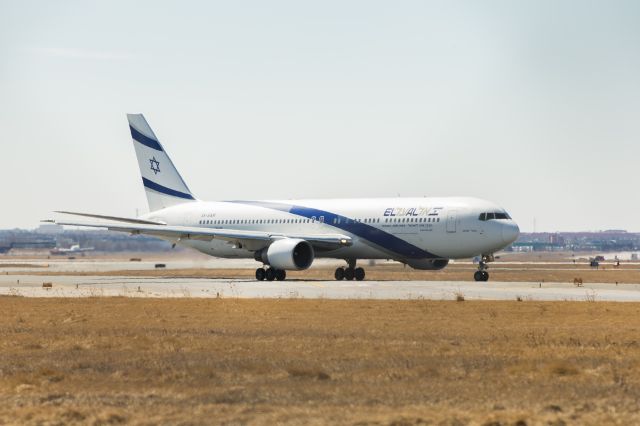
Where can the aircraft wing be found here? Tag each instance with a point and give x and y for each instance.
(251, 240)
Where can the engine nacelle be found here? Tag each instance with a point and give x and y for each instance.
(289, 254)
(428, 264)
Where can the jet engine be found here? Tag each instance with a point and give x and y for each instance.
(428, 264)
(287, 254)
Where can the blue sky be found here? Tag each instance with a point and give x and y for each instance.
(532, 105)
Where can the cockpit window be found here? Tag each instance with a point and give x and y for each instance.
(493, 215)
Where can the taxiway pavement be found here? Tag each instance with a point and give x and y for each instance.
(96, 286)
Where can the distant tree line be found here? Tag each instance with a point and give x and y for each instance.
(99, 240)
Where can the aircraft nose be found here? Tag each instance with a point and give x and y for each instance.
(510, 232)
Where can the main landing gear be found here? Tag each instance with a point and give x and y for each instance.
(350, 272)
(481, 274)
(270, 274)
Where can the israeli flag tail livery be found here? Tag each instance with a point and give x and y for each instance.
(162, 183)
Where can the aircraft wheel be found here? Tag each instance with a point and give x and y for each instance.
(260, 274)
(339, 275)
(485, 276)
(349, 274)
(359, 274)
(281, 275)
(478, 276)
(270, 274)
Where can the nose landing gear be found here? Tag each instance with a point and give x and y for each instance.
(481, 274)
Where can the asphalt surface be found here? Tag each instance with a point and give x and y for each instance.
(96, 286)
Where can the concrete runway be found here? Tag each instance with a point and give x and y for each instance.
(95, 286)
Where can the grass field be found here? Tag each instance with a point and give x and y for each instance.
(228, 361)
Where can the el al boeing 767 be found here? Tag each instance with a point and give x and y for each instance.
(424, 233)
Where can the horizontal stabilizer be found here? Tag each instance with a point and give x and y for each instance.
(114, 218)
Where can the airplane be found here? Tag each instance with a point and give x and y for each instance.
(58, 251)
(283, 235)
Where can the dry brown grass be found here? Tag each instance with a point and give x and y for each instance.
(143, 361)
(22, 265)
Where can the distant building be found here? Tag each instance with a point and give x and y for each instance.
(556, 239)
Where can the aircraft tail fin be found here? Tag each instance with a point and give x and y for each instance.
(162, 182)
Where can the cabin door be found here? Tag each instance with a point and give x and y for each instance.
(452, 218)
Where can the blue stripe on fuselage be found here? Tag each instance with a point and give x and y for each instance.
(145, 140)
(370, 233)
(164, 190)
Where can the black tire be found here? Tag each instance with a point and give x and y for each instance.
(270, 274)
(339, 274)
(359, 274)
(281, 275)
(478, 276)
(260, 274)
(349, 274)
(485, 276)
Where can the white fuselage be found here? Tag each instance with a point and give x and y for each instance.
(383, 228)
